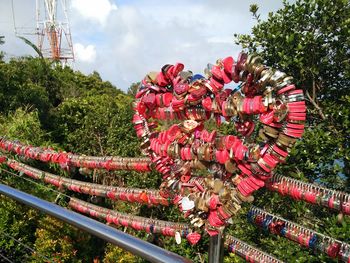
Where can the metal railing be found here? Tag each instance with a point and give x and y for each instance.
(123, 240)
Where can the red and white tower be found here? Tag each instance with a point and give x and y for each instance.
(53, 30)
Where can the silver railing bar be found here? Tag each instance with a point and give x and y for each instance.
(123, 240)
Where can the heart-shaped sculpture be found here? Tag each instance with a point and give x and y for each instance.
(207, 174)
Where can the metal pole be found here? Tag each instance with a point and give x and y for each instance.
(136, 246)
(216, 248)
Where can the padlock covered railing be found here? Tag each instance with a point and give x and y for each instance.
(311, 193)
(65, 159)
(306, 237)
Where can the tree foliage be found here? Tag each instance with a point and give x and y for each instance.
(310, 40)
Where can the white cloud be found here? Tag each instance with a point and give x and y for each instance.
(221, 40)
(97, 10)
(143, 35)
(85, 54)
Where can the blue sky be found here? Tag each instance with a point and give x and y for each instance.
(123, 40)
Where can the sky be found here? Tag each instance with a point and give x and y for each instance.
(123, 40)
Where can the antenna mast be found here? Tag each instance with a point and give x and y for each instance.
(54, 36)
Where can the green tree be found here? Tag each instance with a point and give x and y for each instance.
(17, 220)
(309, 40)
(39, 87)
(116, 254)
(2, 41)
(64, 243)
(102, 120)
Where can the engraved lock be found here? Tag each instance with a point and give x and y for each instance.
(247, 64)
(237, 96)
(199, 223)
(224, 194)
(185, 75)
(323, 245)
(337, 202)
(243, 75)
(217, 186)
(255, 61)
(240, 108)
(254, 153)
(233, 207)
(152, 77)
(171, 150)
(208, 153)
(325, 199)
(228, 212)
(265, 77)
(216, 108)
(296, 97)
(190, 125)
(268, 99)
(269, 89)
(236, 180)
(282, 83)
(196, 203)
(230, 166)
(257, 72)
(207, 70)
(194, 220)
(276, 77)
(206, 198)
(201, 203)
(262, 135)
(231, 109)
(220, 142)
(280, 111)
(200, 152)
(248, 198)
(272, 132)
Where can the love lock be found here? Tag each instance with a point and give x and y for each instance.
(233, 167)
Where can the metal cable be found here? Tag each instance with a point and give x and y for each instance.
(7, 259)
(26, 246)
(29, 180)
(151, 196)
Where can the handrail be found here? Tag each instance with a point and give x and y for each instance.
(125, 241)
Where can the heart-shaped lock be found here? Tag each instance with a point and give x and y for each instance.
(187, 204)
(193, 238)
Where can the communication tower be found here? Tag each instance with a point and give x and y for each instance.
(53, 30)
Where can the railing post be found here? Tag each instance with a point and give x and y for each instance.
(216, 248)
